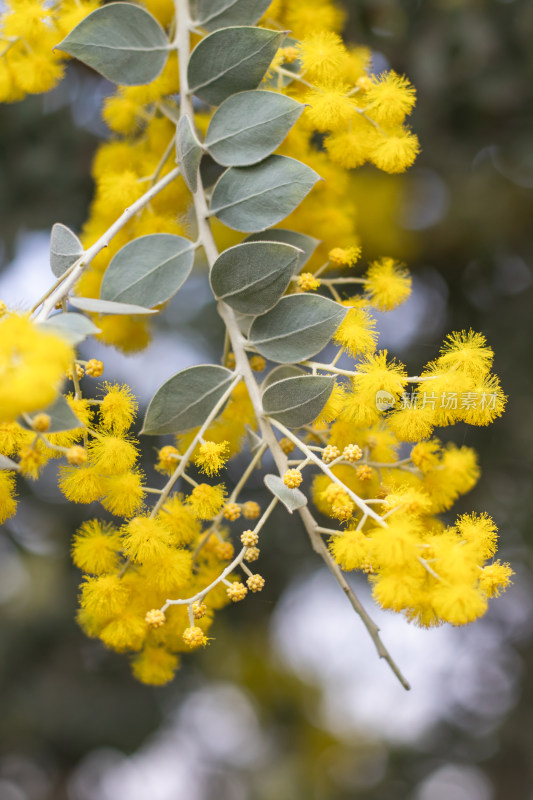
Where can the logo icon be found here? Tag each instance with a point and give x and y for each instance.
(384, 400)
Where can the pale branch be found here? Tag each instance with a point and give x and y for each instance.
(205, 236)
(73, 275)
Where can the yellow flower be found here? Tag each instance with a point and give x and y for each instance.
(212, 456)
(322, 54)
(357, 333)
(96, 547)
(154, 666)
(329, 107)
(112, 454)
(179, 519)
(118, 407)
(8, 503)
(387, 284)
(494, 578)
(390, 98)
(123, 494)
(81, 484)
(146, 539)
(33, 363)
(395, 150)
(206, 501)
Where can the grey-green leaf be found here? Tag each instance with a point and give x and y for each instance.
(95, 306)
(281, 372)
(65, 249)
(298, 328)
(75, 328)
(149, 270)
(186, 399)
(231, 60)
(214, 14)
(297, 401)
(7, 463)
(307, 244)
(122, 42)
(252, 277)
(249, 126)
(254, 198)
(189, 152)
(62, 417)
(292, 499)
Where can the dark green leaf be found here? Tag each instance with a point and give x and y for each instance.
(189, 151)
(149, 270)
(186, 399)
(307, 244)
(122, 42)
(250, 199)
(252, 277)
(249, 126)
(292, 499)
(231, 60)
(299, 327)
(65, 249)
(214, 14)
(297, 401)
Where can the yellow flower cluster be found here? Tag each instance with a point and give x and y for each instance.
(29, 30)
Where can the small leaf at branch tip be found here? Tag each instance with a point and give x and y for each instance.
(292, 499)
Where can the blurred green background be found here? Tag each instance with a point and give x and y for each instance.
(291, 701)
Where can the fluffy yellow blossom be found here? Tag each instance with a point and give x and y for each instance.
(329, 107)
(154, 666)
(123, 493)
(112, 454)
(357, 333)
(179, 519)
(206, 501)
(96, 547)
(322, 54)
(387, 283)
(390, 98)
(117, 409)
(212, 456)
(81, 484)
(395, 150)
(33, 363)
(146, 539)
(8, 503)
(307, 282)
(494, 578)
(344, 257)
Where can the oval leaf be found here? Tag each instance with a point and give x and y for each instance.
(251, 199)
(292, 499)
(122, 42)
(231, 60)
(7, 463)
(62, 417)
(297, 401)
(214, 14)
(249, 126)
(186, 399)
(299, 327)
(75, 328)
(252, 277)
(281, 372)
(189, 152)
(149, 270)
(307, 244)
(95, 306)
(65, 249)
